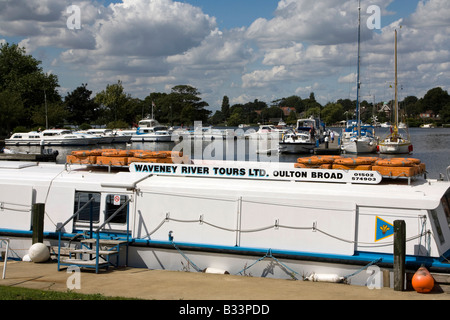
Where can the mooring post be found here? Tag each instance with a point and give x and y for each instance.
(38, 222)
(399, 254)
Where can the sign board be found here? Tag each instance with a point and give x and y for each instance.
(257, 171)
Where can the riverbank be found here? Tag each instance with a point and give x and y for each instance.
(167, 285)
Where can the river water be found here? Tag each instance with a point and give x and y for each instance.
(431, 146)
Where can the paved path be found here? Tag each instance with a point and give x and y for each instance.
(167, 285)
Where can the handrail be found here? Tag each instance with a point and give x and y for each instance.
(6, 257)
(97, 247)
(97, 231)
(75, 214)
(448, 173)
(112, 216)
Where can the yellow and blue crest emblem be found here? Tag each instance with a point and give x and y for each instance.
(383, 229)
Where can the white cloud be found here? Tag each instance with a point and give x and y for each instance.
(307, 46)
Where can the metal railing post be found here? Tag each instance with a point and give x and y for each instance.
(6, 257)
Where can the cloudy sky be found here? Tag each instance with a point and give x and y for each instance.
(245, 49)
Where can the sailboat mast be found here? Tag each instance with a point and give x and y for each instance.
(358, 83)
(396, 85)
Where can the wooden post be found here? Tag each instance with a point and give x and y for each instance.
(38, 222)
(399, 254)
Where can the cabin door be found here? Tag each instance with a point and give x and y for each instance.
(116, 212)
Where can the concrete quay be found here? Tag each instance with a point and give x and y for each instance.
(168, 285)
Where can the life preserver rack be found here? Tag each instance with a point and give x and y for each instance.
(314, 166)
(394, 168)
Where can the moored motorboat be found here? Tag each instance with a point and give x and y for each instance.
(297, 142)
(150, 130)
(32, 138)
(63, 137)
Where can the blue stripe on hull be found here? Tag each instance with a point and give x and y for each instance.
(358, 258)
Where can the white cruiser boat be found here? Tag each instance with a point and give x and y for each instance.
(63, 137)
(150, 130)
(263, 219)
(32, 138)
(51, 137)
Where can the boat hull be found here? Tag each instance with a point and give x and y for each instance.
(151, 138)
(296, 148)
(355, 270)
(395, 148)
(360, 146)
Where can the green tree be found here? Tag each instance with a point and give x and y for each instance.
(187, 105)
(225, 107)
(333, 113)
(445, 114)
(435, 100)
(80, 106)
(11, 109)
(52, 115)
(292, 102)
(113, 102)
(22, 76)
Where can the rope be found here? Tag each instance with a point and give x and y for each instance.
(188, 260)
(269, 255)
(363, 268)
(277, 226)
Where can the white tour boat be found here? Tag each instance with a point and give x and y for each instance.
(276, 220)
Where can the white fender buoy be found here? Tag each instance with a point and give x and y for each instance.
(26, 258)
(334, 278)
(39, 252)
(215, 271)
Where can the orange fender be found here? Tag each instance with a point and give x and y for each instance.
(423, 281)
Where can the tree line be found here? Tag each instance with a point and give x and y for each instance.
(29, 99)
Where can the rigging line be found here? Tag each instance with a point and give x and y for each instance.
(16, 204)
(48, 192)
(190, 196)
(295, 206)
(17, 210)
(361, 244)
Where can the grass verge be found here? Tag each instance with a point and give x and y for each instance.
(16, 293)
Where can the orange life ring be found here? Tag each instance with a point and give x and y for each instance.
(152, 154)
(354, 161)
(118, 153)
(396, 162)
(413, 160)
(317, 160)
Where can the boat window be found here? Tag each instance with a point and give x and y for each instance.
(446, 205)
(113, 203)
(435, 218)
(92, 209)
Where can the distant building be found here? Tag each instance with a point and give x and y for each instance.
(428, 115)
(287, 110)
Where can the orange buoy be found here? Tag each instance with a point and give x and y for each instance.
(423, 281)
